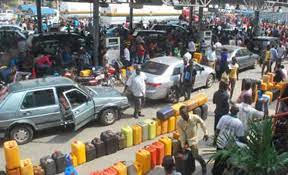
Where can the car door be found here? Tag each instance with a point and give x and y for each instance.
(81, 106)
(240, 58)
(251, 58)
(246, 57)
(40, 107)
(200, 79)
(176, 74)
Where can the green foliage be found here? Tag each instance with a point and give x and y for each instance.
(259, 157)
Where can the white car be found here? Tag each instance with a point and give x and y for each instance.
(17, 28)
(163, 77)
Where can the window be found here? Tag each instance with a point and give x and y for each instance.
(38, 99)
(177, 71)
(197, 67)
(76, 98)
(154, 68)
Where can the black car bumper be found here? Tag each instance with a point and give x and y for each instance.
(124, 107)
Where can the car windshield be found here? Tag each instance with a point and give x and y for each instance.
(87, 90)
(154, 68)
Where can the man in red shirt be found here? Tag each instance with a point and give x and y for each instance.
(44, 64)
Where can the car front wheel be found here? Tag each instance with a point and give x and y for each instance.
(22, 134)
(108, 116)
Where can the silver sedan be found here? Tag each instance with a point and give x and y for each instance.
(244, 57)
(163, 77)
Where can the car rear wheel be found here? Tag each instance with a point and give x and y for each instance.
(22, 134)
(173, 95)
(210, 80)
(108, 116)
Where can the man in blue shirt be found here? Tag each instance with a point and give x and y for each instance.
(188, 78)
(274, 55)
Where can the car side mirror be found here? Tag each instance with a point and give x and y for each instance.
(202, 69)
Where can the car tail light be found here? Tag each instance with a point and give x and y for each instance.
(153, 84)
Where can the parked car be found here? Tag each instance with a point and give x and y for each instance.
(180, 31)
(169, 27)
(244, 57)
(258, 44)
(16, 28)
(36, 40)
(8, 38)
(33, 105)
(163, 77)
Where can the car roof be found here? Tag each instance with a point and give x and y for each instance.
(9, 25)
(168, 60)
(54, 34)
(137, 32)
(40, 83)
(265, 38)
(232, 47)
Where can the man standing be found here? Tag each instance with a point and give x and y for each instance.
(211, 57)
(127, 61)
(233, 75)
(221, 100)
(187, 127)
(274, 56)
(136, 83)
(267, 59)
(247, 113)
(229, 127)
(85, 58)
(281, 54)
(223, 62)
(188, 78)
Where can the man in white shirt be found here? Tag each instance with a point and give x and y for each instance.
(126, 55)
(229, 127)
(136, 84)
(248, 113)
(281, 53)
(211, 57)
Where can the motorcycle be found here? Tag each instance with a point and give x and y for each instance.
(93, 77)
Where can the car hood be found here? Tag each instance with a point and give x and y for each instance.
(105, 92)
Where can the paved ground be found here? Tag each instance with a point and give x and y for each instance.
(59, 139)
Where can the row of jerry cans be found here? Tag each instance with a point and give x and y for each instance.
(121, 168)
(146, 158)
(169, 111)
(152, 155)
(147, 130)
(108, 143)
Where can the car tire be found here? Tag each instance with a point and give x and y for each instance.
(108, 116)
(210, 80)
(173, 95)
(22, 134)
